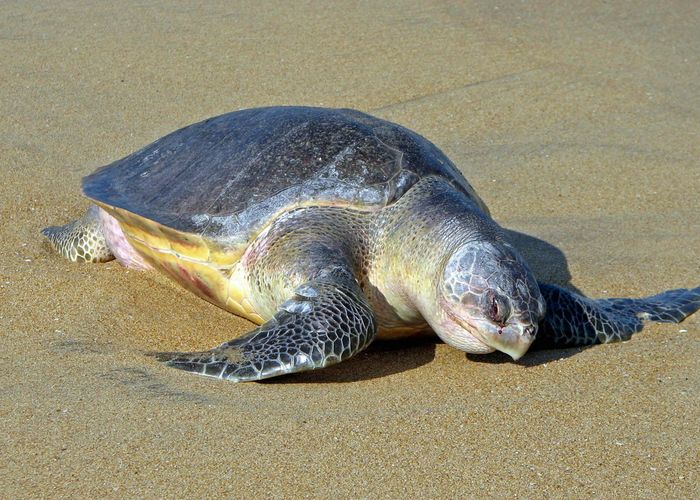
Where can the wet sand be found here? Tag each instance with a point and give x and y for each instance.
(579, 125)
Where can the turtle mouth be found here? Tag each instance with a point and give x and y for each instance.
(463, 334)
(471, 328)
(508, 339)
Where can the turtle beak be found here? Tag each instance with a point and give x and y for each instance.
(514, 340)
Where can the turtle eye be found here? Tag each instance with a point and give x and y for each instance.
(494, 308)
(498, 309)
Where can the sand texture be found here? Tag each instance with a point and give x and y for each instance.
(577, 122)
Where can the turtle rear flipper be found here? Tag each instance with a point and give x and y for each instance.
(81, 240)
(327, 321)
(573, 320)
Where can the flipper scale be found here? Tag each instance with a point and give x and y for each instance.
(81, 240)
(573, 320)
(322, 330)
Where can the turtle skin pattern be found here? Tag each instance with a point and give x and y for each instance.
(572, 320)
(81, 240)
(327, 321)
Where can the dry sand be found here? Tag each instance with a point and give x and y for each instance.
(578, 123)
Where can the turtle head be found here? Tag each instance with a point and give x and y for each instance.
(488, 300)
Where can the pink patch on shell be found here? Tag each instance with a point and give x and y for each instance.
(194, 280)
(117, 243)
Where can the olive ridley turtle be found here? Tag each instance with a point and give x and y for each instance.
(329, 228)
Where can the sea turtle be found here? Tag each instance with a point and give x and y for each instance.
(328, 228)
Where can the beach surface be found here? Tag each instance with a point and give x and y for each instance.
(577, 122)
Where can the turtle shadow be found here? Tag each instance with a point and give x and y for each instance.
(546, 261)
(382, 358)
(531, 358)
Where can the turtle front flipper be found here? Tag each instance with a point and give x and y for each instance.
(81, 240)
(573, 320)
(327, 321)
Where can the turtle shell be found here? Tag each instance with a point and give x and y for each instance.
(223, 179)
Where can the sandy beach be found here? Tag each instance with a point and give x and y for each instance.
(577, 122)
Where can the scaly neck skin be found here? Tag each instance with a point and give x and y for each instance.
(416, 237)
